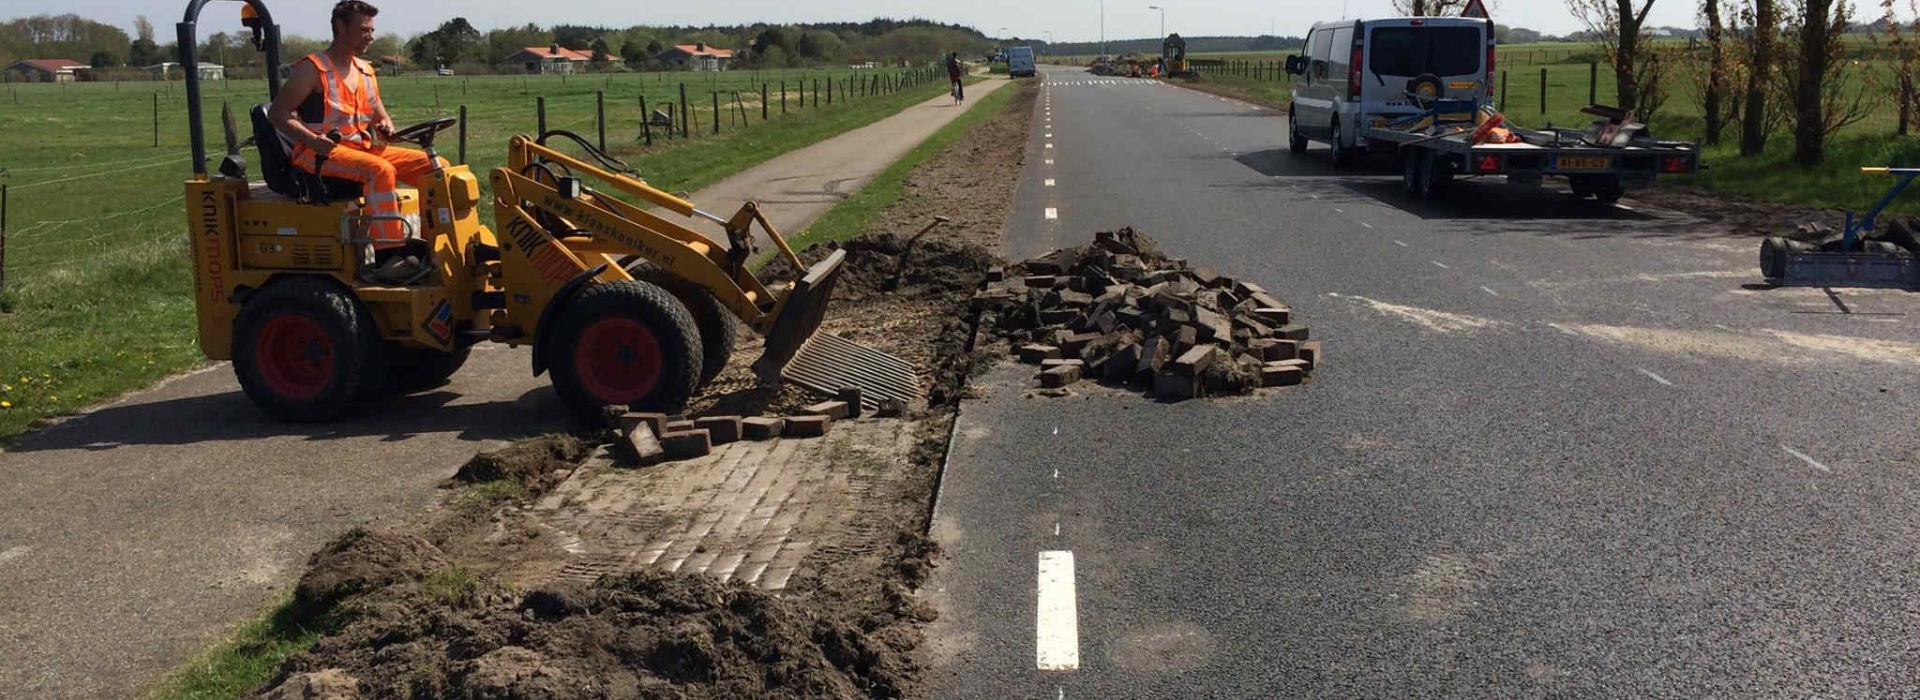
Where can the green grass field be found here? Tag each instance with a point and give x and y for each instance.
(98, 286)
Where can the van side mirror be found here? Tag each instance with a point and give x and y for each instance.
(1296, 65)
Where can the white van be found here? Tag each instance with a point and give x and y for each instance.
(1020, 62)
(1355, 72)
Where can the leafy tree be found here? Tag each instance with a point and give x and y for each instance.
(1823, 100)
(144, 52)
(103, 59)
(820, 45)
(598, 61)
(142, 29)
(1637, 68)
(1763, 19)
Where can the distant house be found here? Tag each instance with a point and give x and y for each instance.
(208, 71)
(393, 64)
(47, 70)
(700, 57)
(541, 60)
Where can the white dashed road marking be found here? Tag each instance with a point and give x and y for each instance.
(1402, 244)
(1489, 291)
(1049, 182)
(1366, 225)
(1057, 622)
(1440, 265)
(1804, 458)
(1663, 380)
(1053, 213)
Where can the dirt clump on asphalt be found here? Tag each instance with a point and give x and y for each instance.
(535, 464)
(643, 634)
(1743, 215)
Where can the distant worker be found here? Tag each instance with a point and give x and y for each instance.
(335, 91)
(954, 73)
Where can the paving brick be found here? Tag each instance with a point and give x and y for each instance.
(1291, 331)
(808, 426)
(1282, 350)
(645, 446)
(1074, 343)
(1255, 326)
(1184, 339)
(1266, 301)
(1123, 363)
(995, 274)
(687, 444)
(1205, 276)
(1170, 386)
(722, 429)
(761, 428)
(1055, 317)
(677, 426)
(1302, 364)
(1311, 353)
(1276, 316)
(836, 410)
(1066, 297)
(1225, 300)
(1042, 281)
(1132, 318)
(851, 397)
(1244, 288)
(1153, 355)
(657, 422)
(891, 408)
(1050, 364)
(1060, 376)
(1033, 354)
(1280, 375)
(1212, 325)
(1195, 360)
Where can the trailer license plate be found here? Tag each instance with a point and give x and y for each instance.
(1594, 163)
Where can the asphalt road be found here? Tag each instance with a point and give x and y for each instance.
(1555, 449)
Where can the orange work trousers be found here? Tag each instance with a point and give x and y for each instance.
(381, 169)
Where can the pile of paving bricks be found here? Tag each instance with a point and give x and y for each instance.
(1121, 312)
(652, 438)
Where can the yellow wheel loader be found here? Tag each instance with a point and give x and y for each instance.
(622, 305)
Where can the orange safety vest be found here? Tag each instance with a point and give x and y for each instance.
(342, 103)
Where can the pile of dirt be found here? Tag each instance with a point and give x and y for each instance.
(1121, 311)
(535, 464)
(427, 630)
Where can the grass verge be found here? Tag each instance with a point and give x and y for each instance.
(852, 215)
(243, 660)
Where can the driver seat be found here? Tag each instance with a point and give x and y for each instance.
(276, 166)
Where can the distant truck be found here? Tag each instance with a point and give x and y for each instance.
(1020, 62)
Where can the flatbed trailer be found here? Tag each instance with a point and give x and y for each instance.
(1430, 161)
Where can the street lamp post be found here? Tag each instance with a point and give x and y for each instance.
(1163, 19)
(1103, 27)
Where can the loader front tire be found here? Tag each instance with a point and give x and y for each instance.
(716, 323)
(306, 351)
(627, 343)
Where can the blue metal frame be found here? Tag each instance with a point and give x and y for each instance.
(1850, 237)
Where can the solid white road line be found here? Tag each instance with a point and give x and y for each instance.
(1440, 265)
(1663, 380)
(1402, 244)
(1049, 182)
(1489, 291)
(1804, 458)
(1057, 624)
(1366, 225)
(1053, 213)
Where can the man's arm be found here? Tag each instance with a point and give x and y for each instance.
(382, 121)
(284, 112)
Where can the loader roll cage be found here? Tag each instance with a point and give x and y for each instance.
(266, 37)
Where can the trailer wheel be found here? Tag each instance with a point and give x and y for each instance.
(1410, 171)
(1436, 174)
(1608, 190)
(1582, 186)
(626, 343)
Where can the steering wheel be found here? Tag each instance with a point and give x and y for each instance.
(422, 133)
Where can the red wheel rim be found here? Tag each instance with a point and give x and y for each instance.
(295, 356)
(618, 360)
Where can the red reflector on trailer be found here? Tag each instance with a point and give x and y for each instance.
(1419, 22)
(1487, 164)
(1674, 164)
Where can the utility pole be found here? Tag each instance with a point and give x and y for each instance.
(1103, 27)
(1163, 19)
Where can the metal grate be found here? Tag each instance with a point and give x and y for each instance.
(830, 363)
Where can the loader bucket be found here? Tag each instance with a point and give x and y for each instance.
(796, 351)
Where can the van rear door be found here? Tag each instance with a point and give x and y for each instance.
(1399, 50)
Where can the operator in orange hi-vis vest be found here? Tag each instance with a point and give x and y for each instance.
(335, 90)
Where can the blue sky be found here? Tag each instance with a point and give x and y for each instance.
(1069, 20)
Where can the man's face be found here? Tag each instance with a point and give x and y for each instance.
(356, 34)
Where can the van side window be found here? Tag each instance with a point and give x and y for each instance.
(1340, 52)
(1318, 48)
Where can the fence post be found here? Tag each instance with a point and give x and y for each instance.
(1543, 91)
(540, 109)
(803, 93)
(600, 115)
(684, 114)
(646, 121)
(829, 89)
(156, 117)
(3, 237)
(783, 96)
(716, 112)
(1593, 82)
(463, 135)
(763, 102)
(816, 93)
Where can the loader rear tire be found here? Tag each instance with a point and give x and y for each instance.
(627, 343)
(306, 351)
(718, 327)
(416, 369)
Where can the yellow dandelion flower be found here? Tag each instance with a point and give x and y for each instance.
(6, 404)
(53, 399)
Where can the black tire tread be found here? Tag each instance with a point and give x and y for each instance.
(360, 363)
(718, 327)
(414, 369)
(672, 326)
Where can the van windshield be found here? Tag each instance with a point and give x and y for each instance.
(1411, 51)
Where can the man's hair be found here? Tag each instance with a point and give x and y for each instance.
(346, 11)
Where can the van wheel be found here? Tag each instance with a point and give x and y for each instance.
(1295, 142)
(1342, 156)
